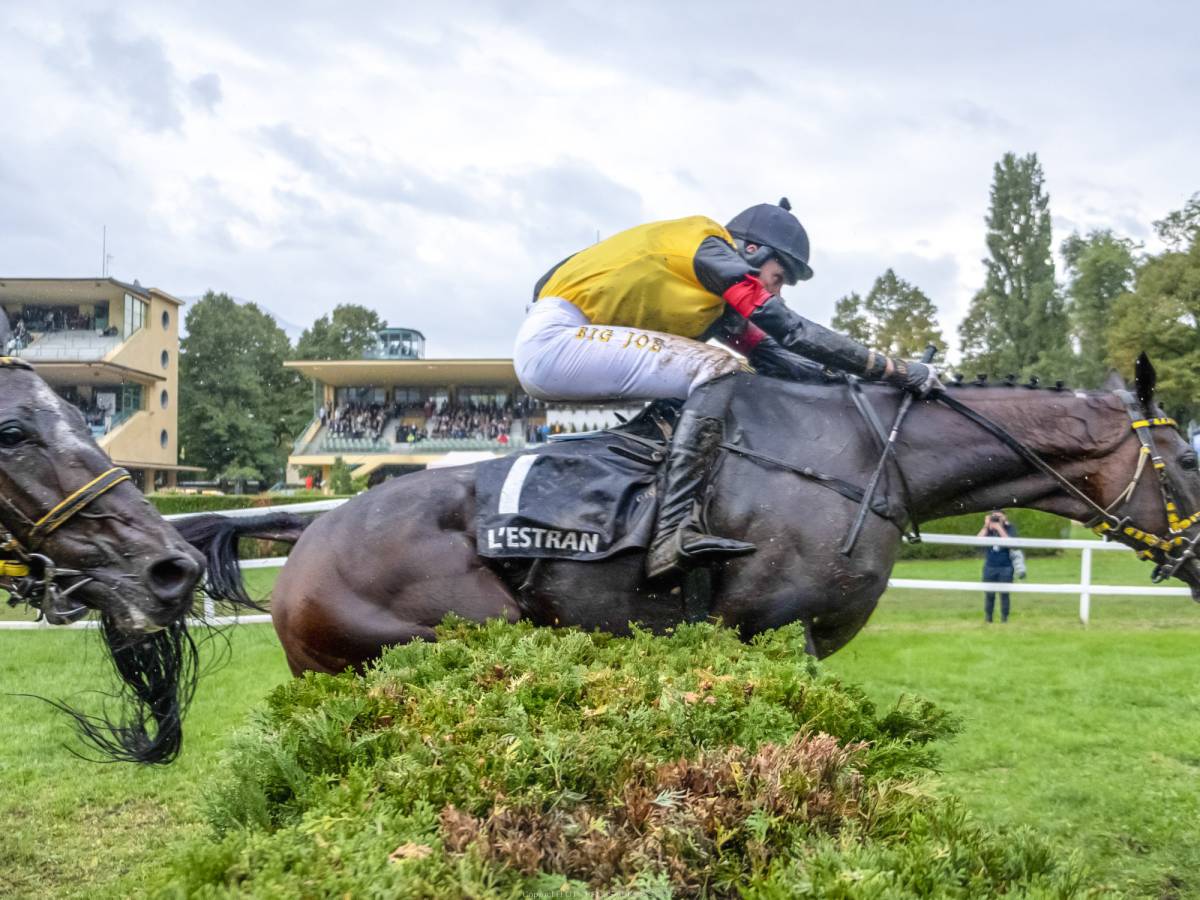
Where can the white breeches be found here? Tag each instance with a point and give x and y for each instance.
(560, 355)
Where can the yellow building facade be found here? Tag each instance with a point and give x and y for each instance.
(112, 349)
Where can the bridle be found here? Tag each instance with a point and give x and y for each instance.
(32, 577)
(1175, 547)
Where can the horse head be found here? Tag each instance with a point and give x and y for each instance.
(76, 534)
(1110, 458)
(1163, 514)
(139, 572)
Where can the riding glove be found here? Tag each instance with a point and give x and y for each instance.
(917, 377)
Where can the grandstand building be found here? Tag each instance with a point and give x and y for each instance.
(112, 349)
(394, 412)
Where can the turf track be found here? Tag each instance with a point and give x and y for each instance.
(1090, 735)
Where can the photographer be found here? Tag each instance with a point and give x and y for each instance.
(1000, 562)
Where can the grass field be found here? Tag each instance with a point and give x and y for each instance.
(1091, 736)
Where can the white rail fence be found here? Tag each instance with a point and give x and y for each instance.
(1085, 588)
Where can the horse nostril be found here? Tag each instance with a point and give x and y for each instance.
(172, 577)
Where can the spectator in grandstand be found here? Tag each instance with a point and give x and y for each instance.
(998, 566)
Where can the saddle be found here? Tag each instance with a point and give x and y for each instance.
(581, 497)
(590, 496)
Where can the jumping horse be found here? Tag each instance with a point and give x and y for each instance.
(76, 536)
(387, 566)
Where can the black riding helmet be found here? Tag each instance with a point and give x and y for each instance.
(778, 234)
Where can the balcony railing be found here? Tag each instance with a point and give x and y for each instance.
(99, 429)
(69, 346)
(332, 443)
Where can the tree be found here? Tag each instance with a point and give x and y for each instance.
(239, 407)
(347, 334)
(1162, 317)
(896, 317)
(1179, 229)
(1100, 268)
(340, 481)
(1016, 322)
(849, 318)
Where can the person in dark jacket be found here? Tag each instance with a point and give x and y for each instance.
(998, 565)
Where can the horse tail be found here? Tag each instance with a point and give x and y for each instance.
(217, 538)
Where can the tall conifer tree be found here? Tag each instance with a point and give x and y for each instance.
(1017, 322)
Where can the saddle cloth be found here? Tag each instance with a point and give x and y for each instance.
(583, 499)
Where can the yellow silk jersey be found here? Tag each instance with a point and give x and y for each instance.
(643, 278)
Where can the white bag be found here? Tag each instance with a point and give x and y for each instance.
(1018, 561)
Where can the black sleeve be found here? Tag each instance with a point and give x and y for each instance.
(771, 359)
(718, 266)
(816, 342)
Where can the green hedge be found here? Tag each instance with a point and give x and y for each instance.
(248, 548)
(510, 761)
(170, 504)
(1030, 523)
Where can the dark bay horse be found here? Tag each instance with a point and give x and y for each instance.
(387, 566)
(77, 535)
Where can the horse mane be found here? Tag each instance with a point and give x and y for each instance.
(157, 675)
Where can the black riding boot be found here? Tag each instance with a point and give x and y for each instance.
(680, 540)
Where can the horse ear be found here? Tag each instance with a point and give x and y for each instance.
(1145, 378)
(1114, 381)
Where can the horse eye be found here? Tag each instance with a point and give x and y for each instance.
(1188, 462)
(11, 435)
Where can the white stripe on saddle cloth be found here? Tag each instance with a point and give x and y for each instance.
(510, 492)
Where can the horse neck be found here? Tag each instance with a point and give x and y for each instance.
(954, 466)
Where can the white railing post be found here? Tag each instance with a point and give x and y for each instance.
(1085, 584)
(210, 608)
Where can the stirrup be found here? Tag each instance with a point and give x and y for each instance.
(688, 547)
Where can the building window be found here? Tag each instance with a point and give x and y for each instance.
(162, 438)
(166, 359)
(163, 398)
(135, 315)
(166, 320)
(131, 398)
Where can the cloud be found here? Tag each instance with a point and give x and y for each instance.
(433, 165)
(105, 60)
(566, 205)
(373, 180)
(978, 118)
(205, 91)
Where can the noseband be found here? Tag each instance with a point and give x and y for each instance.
(29, 576)
(1176, 549)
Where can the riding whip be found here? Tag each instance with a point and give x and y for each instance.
(869, 494)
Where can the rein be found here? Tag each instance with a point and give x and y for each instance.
(20, 559)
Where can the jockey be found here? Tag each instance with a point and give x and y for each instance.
(628, 317)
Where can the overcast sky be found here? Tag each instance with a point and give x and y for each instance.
(432, 160)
